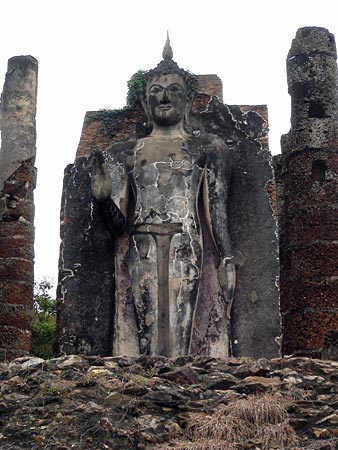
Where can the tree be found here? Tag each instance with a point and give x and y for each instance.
(44, 320)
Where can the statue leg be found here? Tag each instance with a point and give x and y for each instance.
(184, 279)
(126, 340)
(144, 287)
(165, 272)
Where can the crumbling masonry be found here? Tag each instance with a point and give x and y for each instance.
(17, 182)
(308, 196)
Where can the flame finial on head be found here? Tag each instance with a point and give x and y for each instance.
(167, 66)
(167, 53)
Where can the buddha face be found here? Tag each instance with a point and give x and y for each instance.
(167, 99)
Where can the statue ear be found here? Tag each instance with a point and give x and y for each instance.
(146, 110)
(188, 109)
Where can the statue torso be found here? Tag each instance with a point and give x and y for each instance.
(165, 175)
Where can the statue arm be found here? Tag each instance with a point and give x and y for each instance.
(215, 194)
(102, 186)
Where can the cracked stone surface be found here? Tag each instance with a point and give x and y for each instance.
(166, 231)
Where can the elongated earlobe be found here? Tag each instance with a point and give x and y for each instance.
(146, 110)
(188, 111)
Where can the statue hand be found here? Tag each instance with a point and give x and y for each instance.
(227, 280)
(101, 183)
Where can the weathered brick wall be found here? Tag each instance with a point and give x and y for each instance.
(103, 128)
(210, 84)
(17, 182)
(309, 199)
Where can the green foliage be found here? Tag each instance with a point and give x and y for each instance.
(44, 321)
(50, 389)
(135, 87)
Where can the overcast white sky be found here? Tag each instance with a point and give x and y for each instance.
(88, 50)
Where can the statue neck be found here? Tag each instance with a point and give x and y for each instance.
(169, 131)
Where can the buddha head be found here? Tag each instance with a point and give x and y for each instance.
(168, 92)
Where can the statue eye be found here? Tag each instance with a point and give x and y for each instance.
(154, 90)
(175, 88)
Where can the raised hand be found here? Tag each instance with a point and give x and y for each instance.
(101, 183)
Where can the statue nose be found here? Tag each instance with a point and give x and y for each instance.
(165, 98)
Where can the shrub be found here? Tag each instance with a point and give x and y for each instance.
(44, 321)
(135, 88)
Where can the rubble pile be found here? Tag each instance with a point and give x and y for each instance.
(76, 402)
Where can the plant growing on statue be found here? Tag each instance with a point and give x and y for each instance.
(135, 87)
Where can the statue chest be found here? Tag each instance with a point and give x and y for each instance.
(167, 164)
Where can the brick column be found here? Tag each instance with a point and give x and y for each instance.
(309, 202)
(17, 181)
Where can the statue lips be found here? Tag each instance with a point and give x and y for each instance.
(164, 108)
(165, 111)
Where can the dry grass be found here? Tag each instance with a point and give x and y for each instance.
(257, 420)
(217, 427)
(200, 444)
